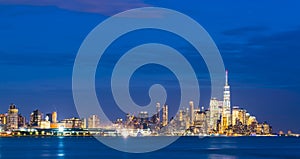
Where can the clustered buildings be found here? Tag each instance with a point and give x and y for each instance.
(13, 123)
(219, 119)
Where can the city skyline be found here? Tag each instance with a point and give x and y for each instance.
(259, 46)
(219, 118)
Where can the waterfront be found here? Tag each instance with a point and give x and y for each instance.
(191, 147)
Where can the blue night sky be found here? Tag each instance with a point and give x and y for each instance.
(258, 40)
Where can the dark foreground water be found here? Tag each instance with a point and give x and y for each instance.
(185, 147)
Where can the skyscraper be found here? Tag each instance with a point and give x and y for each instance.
(200, 121)
(54, 117)
(191, 103)
(12, 117)
(157, 112)
(242, 116)
(235, 114)
(165, 115)
(215, 114)
(35, 118)
(21, 121)
(226, 110)
(93, 121)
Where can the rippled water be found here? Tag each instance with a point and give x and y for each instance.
(185, 147)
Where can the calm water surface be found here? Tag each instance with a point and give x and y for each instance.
(185, 147)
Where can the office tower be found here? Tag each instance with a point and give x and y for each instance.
(180, 115)
(235, 115)
(54, 117)
(191, 103)
(207, 115)
(200, 122)
(12, 117)
(242, 116)
(35, 118)
(21, 121)
(215, 113)
(157, 111)
(226, 110)
(187, 117)
(94, 121)
(165, 115)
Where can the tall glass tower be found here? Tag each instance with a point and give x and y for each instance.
(226, 110)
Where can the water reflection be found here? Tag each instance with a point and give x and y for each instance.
(60, 148)
(221, 149)
(219, 156)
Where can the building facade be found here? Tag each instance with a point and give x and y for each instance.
(12, 117)
(94, 122)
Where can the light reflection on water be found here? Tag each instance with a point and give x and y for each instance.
(218, 156)
(61, 148)
(48, 147)
(185, 147)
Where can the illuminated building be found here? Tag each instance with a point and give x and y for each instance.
(143, 118)
(247, 118)
(73, 123)
(259, 129)
(191, 103)
(157, 111)
(239, 120)
(242, 116)
(45, 124)
(239, 115)
(252, 119)
(235, 115)
(187, 117)
(54, 117)
(200, 123)
(49, 117)
(84, 126)
(12, 117)
(180, 115)
(3, 119)
(165, 115)
(21, 121)
(35, 118)
(267, 129)
(207, 119)
(215, 113)
(93, 121)
(119, 122)
(226, 110)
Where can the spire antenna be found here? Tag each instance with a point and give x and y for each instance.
(226, 83)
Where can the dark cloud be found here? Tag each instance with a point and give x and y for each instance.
(106, 7)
